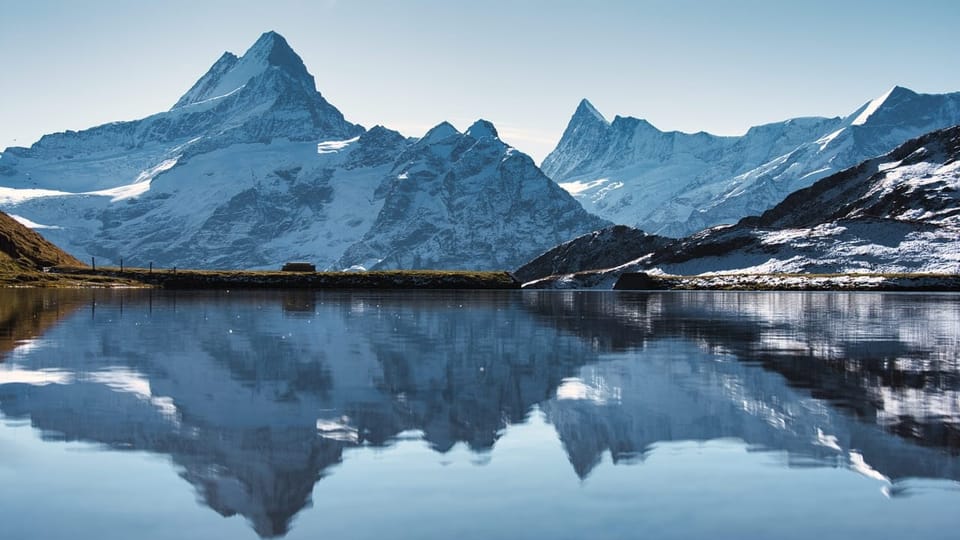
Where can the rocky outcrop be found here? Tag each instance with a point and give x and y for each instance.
(605, 248)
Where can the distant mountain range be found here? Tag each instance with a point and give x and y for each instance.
(253, 167)
(675, 184)
(896, 213)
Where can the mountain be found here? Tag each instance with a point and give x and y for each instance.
(265, 94)
(23, 249)
(676, 183)
(604, 248)
(896, 213)
(449, 179)
(253, 167)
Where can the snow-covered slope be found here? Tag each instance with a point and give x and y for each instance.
(243, 206)
(253, 167)
(676, 183)
(896, 213)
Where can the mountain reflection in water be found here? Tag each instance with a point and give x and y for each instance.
(254, 396)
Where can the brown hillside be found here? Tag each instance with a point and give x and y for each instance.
(23, 249)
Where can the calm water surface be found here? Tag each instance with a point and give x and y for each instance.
(534, 414)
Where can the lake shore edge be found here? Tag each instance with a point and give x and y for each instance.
(641, 281)
(792, 282)
(113, 277)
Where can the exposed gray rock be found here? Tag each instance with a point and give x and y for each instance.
(605, 248)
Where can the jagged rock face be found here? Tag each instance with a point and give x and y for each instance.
(583, 142)
(605, 248)
(896, 213)
(280, 100)
(676, 183)
(252, 167)
(450, 179)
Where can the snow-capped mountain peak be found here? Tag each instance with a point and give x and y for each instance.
(482, 128)
(587, 112)
(231, 73)
(274, 49)
(890, 99)
(264, 95)
(439, 132)
(586, 136)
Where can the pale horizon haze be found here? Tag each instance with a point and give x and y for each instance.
(719, 67)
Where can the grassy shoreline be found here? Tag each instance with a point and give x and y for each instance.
(80, 276)
(112, 277)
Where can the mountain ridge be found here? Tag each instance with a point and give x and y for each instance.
(675, 183)
(253, 167)
(895, 213)
(467, 175)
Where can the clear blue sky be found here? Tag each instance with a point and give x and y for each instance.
(713, 65)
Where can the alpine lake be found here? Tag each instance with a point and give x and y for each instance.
(156, 414)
